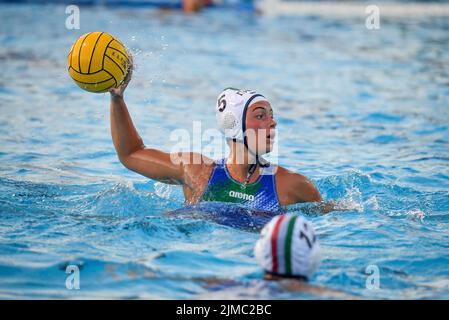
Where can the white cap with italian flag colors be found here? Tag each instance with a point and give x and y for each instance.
(288, 247)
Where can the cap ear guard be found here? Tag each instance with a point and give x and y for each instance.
(229, 125)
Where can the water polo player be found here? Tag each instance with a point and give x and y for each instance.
(244, 177)
(288, 248)
(289, 253)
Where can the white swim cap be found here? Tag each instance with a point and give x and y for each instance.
(231, 111)
(288, 247)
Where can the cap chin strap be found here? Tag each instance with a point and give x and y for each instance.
(253, 166)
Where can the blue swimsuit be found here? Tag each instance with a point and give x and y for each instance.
(260, 195)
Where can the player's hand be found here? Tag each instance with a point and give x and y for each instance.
(120, 90)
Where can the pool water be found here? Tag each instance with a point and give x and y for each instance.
(363, 113)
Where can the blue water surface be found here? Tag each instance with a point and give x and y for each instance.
(363, 113)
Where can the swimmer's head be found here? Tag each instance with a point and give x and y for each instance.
(246, 117)
(288, 248)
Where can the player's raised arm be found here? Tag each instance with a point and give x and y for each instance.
(130, 148)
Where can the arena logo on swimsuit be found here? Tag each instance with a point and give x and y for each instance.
(240, 195)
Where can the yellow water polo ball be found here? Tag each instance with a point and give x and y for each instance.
(98, 62)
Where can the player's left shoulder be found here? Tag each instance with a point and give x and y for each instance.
(293, 187)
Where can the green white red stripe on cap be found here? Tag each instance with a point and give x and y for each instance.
(288, 245)
(274, 243)
(283, 244)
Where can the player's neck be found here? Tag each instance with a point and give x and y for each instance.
(239, 162)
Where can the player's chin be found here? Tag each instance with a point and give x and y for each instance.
(267, 148)
(269, 144)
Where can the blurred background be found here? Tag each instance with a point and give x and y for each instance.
(361, 97)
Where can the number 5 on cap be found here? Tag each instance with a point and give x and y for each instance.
(221, 103)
